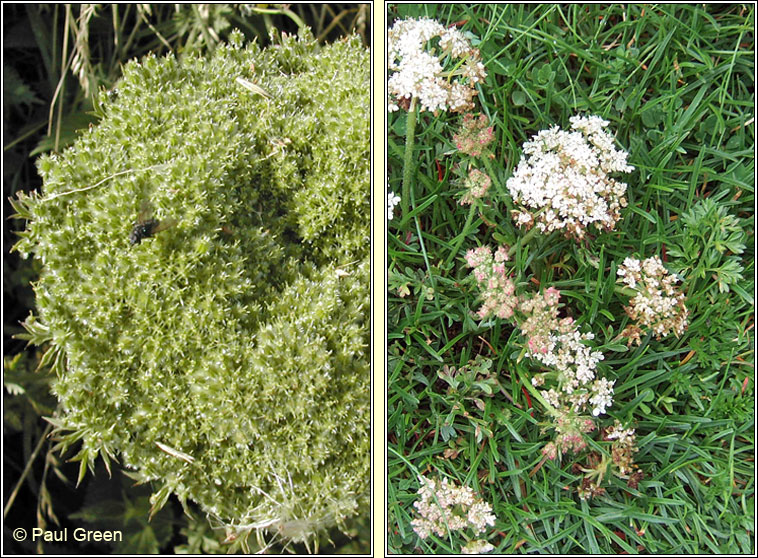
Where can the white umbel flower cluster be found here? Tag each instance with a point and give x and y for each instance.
(576, 364)
(557, 344)
(658, 304)
(444, 505)
(440, 78)
(563, 182)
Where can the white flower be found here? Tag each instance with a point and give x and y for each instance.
(562, 181)
(392, 200)
(477, 547)
(658, 304)
(442, 80)
(563, 350)
(575, 361)
(523, 218)
(445, 507)
(552, 397)
(603, 390)
(623, 435)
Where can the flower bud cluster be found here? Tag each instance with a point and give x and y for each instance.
(477, 183)
(658, 304)
(445, 507)
(474, 135)
(497, 287)
(442, 77)
(562, 182)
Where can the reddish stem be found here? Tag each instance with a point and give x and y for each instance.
(440, 175)
(528, 401)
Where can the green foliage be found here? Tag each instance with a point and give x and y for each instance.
(105, 509)
(15, 90)
(708, 245)
(20, 378)
(223, 359)
(201, 539)
(101, 38)
(470, 388)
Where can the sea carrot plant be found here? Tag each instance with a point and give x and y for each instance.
(570, 279)
(204, 293)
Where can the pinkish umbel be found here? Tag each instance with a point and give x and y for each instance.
(477, 183)
(497, 288)
(540, 320)
(474, 135)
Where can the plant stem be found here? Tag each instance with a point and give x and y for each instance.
(549, 409)
(464, 232)
(491, 173)
(408, 166)
(27, 469)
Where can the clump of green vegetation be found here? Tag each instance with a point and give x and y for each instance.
(205, 276)
(708, 246)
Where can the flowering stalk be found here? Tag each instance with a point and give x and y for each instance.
(425, 74)
(553, 342)
(408, 167)
(473, 139)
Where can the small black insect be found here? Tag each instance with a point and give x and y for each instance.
(143, 229)
(146, 227)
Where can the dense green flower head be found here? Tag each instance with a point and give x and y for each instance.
(205, 282)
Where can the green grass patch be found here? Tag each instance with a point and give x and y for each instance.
(677, 84)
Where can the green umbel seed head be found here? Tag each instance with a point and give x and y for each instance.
(223, 358)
